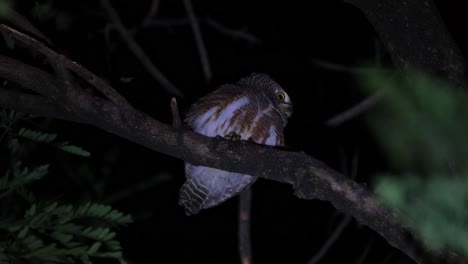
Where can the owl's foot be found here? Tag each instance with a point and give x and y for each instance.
(233, 136)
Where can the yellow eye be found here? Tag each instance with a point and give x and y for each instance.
(281, 96)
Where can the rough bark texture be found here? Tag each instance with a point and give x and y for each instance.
(310, 178)
(414, 36)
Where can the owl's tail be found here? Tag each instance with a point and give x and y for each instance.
(207, 187)
(192, 196)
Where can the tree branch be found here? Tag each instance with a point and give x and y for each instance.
(34, 104)
(138, 51)
(205, 62)
(310, 178)
(84, 73)
(245, 243)
(331, 239)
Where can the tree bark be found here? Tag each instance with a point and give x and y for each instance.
(414, 36)
(310, 178)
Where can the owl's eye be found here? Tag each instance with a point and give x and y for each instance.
(281, 96)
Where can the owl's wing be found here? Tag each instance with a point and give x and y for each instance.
(207, 187)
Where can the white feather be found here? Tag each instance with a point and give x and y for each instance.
(271, 140)
(211, 128)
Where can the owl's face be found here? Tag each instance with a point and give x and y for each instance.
(283, 101)
(262, 84)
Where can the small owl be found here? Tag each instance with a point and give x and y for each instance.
(256, 108)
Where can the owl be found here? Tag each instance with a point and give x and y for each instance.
(255, 108)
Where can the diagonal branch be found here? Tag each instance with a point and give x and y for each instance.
(205, 62)
(84, 73)
(310, 178)
(138, 51)
(34, 104)
(20, 21)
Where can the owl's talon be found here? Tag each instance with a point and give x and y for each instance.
(233, 136)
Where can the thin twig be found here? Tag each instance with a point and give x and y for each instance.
(138, 51)
(342, 68)
(84, 73)
(331, 239)
(9, 125)
(21, 22)
(234, 33)
(354, 111)
(365, 253)
(151, 12)
(198, 40)
(214, 24)
(176, 121)
(245, 244)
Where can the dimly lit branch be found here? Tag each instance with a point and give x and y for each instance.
(139, 52)
(310, 178)
(354, 111)
(331, 239)
(245, 242)
(34, 104)
(203, 53)
(151, 12)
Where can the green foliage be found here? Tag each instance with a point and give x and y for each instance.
(5, 5)
(422, 125)
(43, 10)
(38, 231)
(41, 137)
(21, 176)
(58, 233)
(74, 150)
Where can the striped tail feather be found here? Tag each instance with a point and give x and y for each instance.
(207, 187)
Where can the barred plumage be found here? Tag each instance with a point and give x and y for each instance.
(256, 108)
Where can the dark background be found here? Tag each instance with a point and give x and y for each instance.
(292, 38)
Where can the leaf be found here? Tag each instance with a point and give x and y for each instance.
(37, 136)
(23, 232)
(421, 123)
(75, 150)
(94, 248)
(22, 176)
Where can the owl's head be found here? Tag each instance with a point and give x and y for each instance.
(261, 83)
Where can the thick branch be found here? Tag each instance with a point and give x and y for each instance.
(311, 179)
(415, 36)
(34, 104)
(27, 76)
(84, 73)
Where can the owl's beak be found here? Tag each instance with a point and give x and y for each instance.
(287, 108)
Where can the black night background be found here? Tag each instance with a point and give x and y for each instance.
(316, 50)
